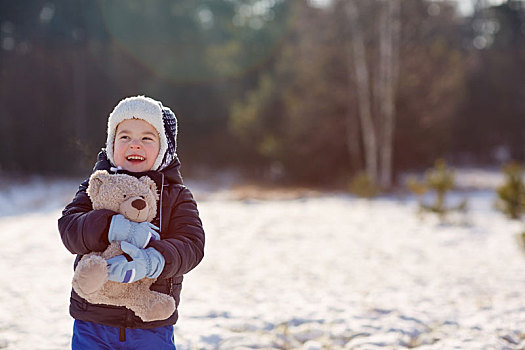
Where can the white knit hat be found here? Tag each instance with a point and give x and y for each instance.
(138, 107)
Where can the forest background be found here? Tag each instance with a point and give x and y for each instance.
(292, 92)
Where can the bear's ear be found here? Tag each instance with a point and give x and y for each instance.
(95, 181)
(151, 184)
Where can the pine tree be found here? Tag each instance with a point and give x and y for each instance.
(439, 180)
(512, 193)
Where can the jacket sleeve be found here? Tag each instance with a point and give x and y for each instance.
(82, 229)
(182, 243)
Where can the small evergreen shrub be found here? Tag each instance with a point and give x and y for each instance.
(438, 180)
(521, 241)
(363, 186)
(417, 187)
(512, 193)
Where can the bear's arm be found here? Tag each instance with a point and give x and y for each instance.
(82, 229)
(182, 243)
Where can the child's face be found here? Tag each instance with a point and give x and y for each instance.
(137, 145)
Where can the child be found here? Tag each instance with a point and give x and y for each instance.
(141, 140)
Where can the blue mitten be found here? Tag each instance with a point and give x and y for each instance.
(137, 233)
(146, 263)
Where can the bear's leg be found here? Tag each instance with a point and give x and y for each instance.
(161, 307)
(150, 305)
(90, 275)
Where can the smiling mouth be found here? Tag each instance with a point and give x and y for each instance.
(135, 158)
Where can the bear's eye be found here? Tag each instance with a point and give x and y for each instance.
(142, 197)
(125, 196)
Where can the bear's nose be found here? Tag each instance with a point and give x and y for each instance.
(139, 204)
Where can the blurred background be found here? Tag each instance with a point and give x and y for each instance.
(284, 106)
(292, 92)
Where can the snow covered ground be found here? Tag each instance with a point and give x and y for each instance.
(326, 272)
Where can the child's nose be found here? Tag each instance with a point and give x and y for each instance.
(135, 144)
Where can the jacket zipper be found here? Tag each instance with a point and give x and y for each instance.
(170, 291)
(160, 204)
(170, 280)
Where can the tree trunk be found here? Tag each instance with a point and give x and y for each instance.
(353, 144)
(363, 90)
(389, 71)
(79, 95)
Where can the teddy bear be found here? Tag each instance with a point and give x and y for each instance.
(136, 199)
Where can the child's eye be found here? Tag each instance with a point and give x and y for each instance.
(124, 137)
(147, 139)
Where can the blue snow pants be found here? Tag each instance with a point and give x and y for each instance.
(93, 336)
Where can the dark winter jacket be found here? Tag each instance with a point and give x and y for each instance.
(84, 230)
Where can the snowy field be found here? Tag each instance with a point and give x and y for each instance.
(323, 272)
